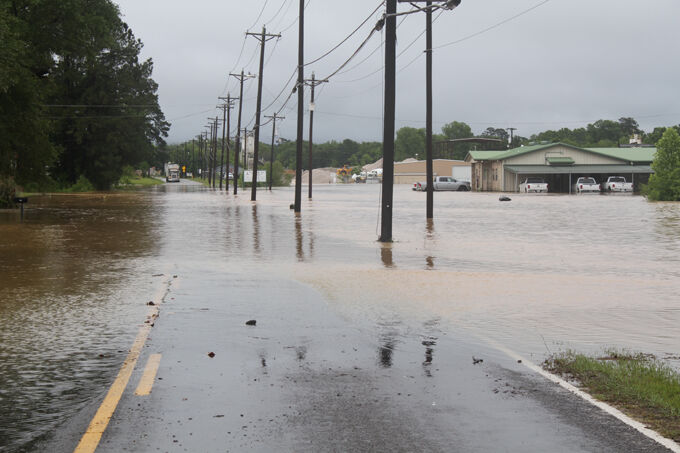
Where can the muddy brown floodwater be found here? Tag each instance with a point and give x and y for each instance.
(538, 274)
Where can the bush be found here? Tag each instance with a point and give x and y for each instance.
(8, 191)
(82, 185)
(664, 184)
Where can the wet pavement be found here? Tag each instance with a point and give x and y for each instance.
(358, 346)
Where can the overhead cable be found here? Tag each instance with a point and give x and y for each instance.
(348, 36)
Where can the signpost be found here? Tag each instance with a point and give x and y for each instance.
(21, 201)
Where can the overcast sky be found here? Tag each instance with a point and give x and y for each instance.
(564, 63)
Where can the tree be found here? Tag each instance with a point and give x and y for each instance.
(409, 143)
(124, 122)
(629, 126)
(455, 130)
(664, 184)
(25, 149)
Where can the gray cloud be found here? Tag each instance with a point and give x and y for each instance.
(563, 64)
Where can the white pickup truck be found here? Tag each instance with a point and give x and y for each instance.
(534, 184)
(586, 184)
(617, 184)
(444, 183)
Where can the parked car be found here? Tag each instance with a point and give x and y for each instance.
(445, 183)
(617, 184)
(533, 184)
(586, 184)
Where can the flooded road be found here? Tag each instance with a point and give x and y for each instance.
(538, 274)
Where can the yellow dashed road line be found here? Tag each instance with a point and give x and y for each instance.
(90, 440)
(146, 382)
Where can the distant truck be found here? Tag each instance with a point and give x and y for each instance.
(586, 184)
(444, 183)
(533, 184)
(617, 184)
(171, 172)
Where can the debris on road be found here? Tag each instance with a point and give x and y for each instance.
(252, 322)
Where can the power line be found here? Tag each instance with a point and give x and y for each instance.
(348, 36)
(398, 55)
(259, 15)
(296, 19)
(277, 13)
(493, 26)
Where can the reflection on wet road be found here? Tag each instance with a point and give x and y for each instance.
(541, 272)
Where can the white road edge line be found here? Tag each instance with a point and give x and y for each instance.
(668, 443)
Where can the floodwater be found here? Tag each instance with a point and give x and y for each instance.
(539, 274)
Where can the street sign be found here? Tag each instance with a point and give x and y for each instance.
(261, 176)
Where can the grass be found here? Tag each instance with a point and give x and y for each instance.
(139, 182)
(639, 385)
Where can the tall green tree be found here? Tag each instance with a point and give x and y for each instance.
(409, 143)
(25, 149)
(664, 184)
(121, 121)
(455, 130)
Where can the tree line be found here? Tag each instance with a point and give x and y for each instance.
(76, 101)
(410, 143)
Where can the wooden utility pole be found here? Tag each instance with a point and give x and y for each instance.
(312, 83)
(512, 136)
(300, 106)
(389, 121)
(245, 158)
(450, 4)
(428, 112)
(229, 105)
(240, 77)
(263, 38)
(274, 117)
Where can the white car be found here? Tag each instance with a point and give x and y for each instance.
(533, 184)
(586, 184)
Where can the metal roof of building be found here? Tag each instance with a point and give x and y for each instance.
(579, 169)
(637, 155)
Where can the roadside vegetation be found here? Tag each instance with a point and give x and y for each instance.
(76, 100)
(639, 385)
(664, 184)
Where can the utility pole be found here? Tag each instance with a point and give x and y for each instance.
(271, 154)
(389, 121)
(229, 104)
(312, 83)
(245, 158)
(263, 38)
(213, 150)
(193, 158)
(450, 4)
(300, 106)
(512, 130)
(428, 115)
(240, 77)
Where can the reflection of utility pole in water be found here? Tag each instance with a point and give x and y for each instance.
(385, 352)
(298, 237)
(386, 255)
(256, 231)
(429, 353)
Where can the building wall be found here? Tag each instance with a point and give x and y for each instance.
(410, 172)
(580, 157)
(487, 176)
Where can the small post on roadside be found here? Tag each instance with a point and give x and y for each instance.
(21, 201)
